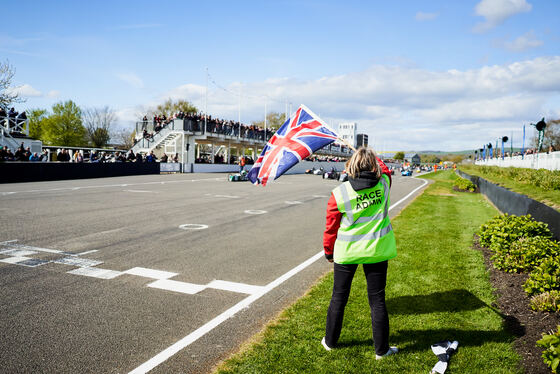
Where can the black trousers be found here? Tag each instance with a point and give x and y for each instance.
(376, 277)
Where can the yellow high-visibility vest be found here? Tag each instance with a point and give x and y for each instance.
(365, 235)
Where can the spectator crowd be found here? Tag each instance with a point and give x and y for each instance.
(63, 155)
(195, 123)
(21, 154)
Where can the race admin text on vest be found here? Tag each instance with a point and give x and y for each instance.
(365, 200)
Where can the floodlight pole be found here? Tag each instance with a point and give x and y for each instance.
(206, 103)
(239, 106)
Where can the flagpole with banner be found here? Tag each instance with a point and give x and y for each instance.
(328, 127)
(302, 134)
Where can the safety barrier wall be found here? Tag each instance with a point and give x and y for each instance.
(513, 203)
(550, 161)
(13, 172)
(165, 167)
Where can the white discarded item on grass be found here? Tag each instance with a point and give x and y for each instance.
(443, 350)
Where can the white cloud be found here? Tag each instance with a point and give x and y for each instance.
(402, 108)
(422, 16)
(523, 42)
(185, 92)
(131, 79)
(496, 12)
(25, 90)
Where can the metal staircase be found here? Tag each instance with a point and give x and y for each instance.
(7, 139)
(167, 135)
(9, 125)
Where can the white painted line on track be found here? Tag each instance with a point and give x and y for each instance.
(86, 252)
(209, 326)
(108, 185)
(320, 196)
(255, 211)
(141, 191)
(17, 252)
(150, 273)
(74, 261)
(410, 194)
(30, 248)
(234, 287)
(177, 286)
(294, 202)
(96, 272)
(245, 303)
(193, 226)
(14, 260)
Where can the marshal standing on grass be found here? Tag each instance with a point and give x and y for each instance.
(359, 231)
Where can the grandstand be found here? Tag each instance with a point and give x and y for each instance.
(197, 140)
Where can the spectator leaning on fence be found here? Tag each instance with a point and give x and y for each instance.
(151, 157)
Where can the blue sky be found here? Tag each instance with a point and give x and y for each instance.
(446, 75)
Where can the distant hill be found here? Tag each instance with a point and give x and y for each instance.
(466, 152)
(443, 153)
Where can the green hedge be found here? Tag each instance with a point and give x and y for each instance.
(464, 184)
(543, 178)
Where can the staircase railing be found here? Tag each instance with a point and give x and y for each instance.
(7, 139)
(156, 139)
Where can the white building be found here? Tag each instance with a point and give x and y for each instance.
(347, 131)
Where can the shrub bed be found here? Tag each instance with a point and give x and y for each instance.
(519, 244)
(501, 231)
(525, 254)
(544, 278)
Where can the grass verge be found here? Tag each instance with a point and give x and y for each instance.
(437, 289)
(526, 185)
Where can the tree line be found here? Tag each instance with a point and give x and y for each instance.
(66, 124)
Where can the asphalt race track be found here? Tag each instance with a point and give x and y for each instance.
(168, 273)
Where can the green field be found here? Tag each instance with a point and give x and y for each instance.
(437, 289)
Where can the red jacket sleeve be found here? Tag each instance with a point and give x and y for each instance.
(333, 223)
(385, 170)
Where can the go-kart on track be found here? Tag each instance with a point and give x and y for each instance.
(165, 273)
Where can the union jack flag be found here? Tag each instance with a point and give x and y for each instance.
(301, 135)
